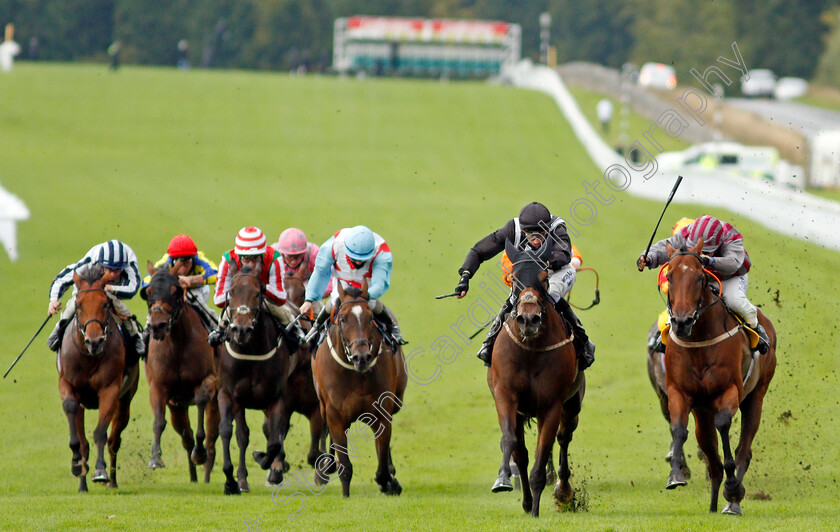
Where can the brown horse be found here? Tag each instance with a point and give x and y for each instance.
(90, 375)
(534, 373)
(181, 371)
(358, 377)
(300, 385)
(711, 372)
(252, 374)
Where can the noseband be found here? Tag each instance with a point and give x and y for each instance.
(698, 312)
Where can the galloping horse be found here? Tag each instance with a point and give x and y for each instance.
(181, 371)
(711, 372)
(252, 372)
(300, 385)
(534, 373)
(358, 377)
(91, 364)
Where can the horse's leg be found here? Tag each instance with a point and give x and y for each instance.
(546, 432)
(388, 483)
(84, 448)
(212, 423)
(750, 419)
(107, 408)
(226, 409)
(564, 493)
(679, 406)
(157, 398)
(338, 433)
(704, 429)
(202, 398)
(506, 407)
(317, 435)
(733, 489)
(324, 468)
(273, 458)
(242, 439)
(73, 410)
(520, 458)
(118, 425)
(180, 417)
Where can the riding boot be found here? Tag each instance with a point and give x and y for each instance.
(763, 340)
(145, 337)
(54, 340)
(218, 336)
(135, 349)
(583, 345)
(390, 321)
(656, 344)
(486, 351)
(317, 326)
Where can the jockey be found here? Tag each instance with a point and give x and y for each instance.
(251, 250)
(198, 274)
(351, 256)
(122, 282)
(534, 225)
(725, 256)
(299, 256)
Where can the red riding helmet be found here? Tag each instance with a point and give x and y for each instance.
(181, 246)
(292, 242)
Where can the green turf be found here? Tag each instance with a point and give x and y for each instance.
(144, 154)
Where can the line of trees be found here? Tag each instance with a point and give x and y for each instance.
(788, 36)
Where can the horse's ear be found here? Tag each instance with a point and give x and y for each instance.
(76, 277)
(365, 294)
(669, 249)
(543, 277)
(699, 247)
(177, 291)
(144, 293)
(150, 267)
(340, 290)
(511, 250)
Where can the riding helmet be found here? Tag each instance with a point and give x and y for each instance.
(359, 243)
(181, 246)
(250, 241)
(292, 241)
(534, 216)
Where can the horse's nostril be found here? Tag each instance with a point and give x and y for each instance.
(520, 320)
(535, 320)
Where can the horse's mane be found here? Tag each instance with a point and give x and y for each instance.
(90, 273)
(353, 291)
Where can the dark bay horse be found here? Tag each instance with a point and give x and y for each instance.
(711, 372)
(300, 386)
(358, 377)
(90, 376)
(252, 374)
(181, 371)
(534, 373)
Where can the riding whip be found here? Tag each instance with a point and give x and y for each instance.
(447, 295)
(670, 197)
(27, 345)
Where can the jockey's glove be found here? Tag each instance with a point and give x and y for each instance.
(464, 285)
(706, 261)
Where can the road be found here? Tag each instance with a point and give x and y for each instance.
(801, 118)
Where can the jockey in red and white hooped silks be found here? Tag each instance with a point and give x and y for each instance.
(725, 256)
(351, 256)
(250, 250)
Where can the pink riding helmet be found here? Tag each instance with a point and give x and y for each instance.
(292, 242)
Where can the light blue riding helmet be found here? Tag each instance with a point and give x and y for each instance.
(359, 243)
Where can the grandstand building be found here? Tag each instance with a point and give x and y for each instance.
(424, 47)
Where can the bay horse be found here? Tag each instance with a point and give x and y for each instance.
(252, 373)
(180, 370)
(711, 372)
(300, 386)
(358, 377)
(91, 367)
(534, 374)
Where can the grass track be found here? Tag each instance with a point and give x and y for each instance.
(146, 153)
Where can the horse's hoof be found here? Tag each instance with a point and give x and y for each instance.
(501, 485)
(274, 477)
(232, 488)
(392, 487)
(261, 459)
(243, 486)
(198, 455)
(732, 508)
(286, 466)
(155, 463)
(79, 469)
(675, 480)
(563, 496)
(112, 485)
(319, 481)
(100, 475)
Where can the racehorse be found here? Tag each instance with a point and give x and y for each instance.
(252, 374)
(91, 367)
(534, 373)
(181, 371)
(711, 371)
(358, 377)
(300, 385)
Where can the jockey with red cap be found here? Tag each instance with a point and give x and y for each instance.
(122, 282)
(251, 250)
(534, 225)
(198, 273)
(725, 256)
(351, 256)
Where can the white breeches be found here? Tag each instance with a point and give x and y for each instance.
(560, 282)
(734, 294)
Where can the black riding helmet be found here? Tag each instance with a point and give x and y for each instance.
(534, 217)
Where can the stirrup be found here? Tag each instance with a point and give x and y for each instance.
(485, 354)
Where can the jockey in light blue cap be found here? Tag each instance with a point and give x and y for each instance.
(350, 257)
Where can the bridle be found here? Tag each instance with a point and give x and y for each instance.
(348, 346)
(177, 308)
(700, 310)
(83, 327)
(254, 313)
